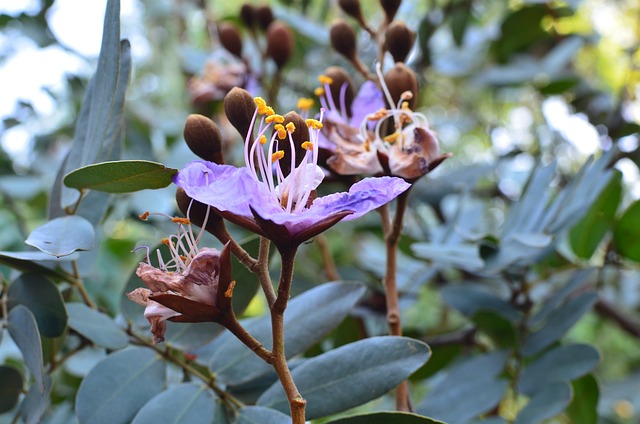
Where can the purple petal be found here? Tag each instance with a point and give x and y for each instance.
(224, 187)
(368, 100)
(364, 196)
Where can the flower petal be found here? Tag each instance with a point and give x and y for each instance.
(368, 100)
(364, 196)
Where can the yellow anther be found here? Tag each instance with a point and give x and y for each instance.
(144, 216)
(178, 220)
(319, 91)
(405, 106)
(183, 257)
(367, 145)
(378, 115)
(391, 138)
(325, 79)
(165, 241)
(282, 133)
(291, 127)
(261, 104)
(305, 103)
(269, 111)
(277, 155)
(307, 145)
(263, 139)
(313, 123)
(229, 291)
(278, 119)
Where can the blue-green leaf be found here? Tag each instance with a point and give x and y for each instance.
(41, 296)
(562, 364)
(185, 403)
(96, 326)
(24, 332)
(545, 404)
(11, 386)
(123, 176)
(309, 317)
(351, 375)
(119, 386)
(261, 415)
(63, 236)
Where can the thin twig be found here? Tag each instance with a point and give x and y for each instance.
(262, 271)
(327, 258)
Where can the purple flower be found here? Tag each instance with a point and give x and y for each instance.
(275, 195)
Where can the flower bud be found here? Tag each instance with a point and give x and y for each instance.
(279, 43)
(239, 109)
(341, 77)
(299, 136)
(264, 17)
(248, 15)
(399, 40)
(203, 138)
(343, 39)
(230, 38)
(390, 8)
(399, 79)
(351, 8)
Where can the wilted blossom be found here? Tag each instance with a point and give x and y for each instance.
(193, 286)
(217, 78)
(275, 194)
(394, 141)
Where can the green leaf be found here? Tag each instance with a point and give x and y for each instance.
(96, 326)
(261, 415)
(185, 403)
(43, 299)
(386, 417)
(123, 176)
(351, 375)
(626, 235)
(587, 234)
(583, 408)
(464, 256)
(475, 380)
(559, 322)
(545, 404)
(471, 298)
(63, 236)
(36, 262)
(119, 386)
(495, 326)
(309, 317)
(11, 384)
(562, 364)
(24, 332)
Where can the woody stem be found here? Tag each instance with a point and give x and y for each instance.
(278, 359)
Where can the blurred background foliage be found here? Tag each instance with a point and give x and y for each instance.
(509, 86)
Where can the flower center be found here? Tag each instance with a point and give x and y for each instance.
(263, 157)
(404, 120)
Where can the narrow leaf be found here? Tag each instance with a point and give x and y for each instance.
(119, 386)
(365, 370)
(24, 332)
(124, 176)
(63, 236)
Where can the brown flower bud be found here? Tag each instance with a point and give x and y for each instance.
(399, 40)
(351, 8)
(299, 136)
(248, 15)
(279, 43)
(239, 109)
(399, 79)
(343, 39)
(264, 17)
(203, 138)
(230, 38)
(390, 8)
(341, 77)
